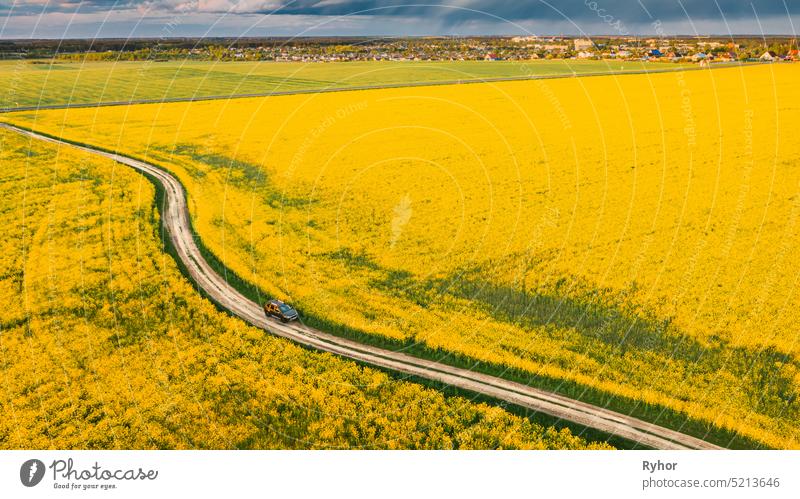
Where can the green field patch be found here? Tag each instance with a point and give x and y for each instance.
(46, 83)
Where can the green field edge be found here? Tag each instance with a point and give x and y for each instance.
(652, 413)
(356, 88)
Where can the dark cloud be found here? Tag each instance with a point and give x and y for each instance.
(20, 7)
(632, 11)
(513, 10)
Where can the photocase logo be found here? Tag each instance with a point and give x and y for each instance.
(31, 472)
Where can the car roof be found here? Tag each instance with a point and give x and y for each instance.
(276, 302)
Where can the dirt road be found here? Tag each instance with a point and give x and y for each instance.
(176, 220)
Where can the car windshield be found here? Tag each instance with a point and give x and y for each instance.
(286, 308)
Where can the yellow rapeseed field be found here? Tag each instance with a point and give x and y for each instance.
(633, 235)
(103, 344)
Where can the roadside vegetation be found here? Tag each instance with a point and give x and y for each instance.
(105, 345)
(627, 240)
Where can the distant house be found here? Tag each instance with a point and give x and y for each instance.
(769, 56)
(793, 55)
(655, 53)
(583, 44)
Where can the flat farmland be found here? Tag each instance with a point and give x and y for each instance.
(45, 83)
(106, 345)
(630, 235)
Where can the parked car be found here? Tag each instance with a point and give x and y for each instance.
(280, 310)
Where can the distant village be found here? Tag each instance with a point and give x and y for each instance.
(698, 49)
(521, 48)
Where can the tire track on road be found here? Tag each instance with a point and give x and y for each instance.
(175, 217)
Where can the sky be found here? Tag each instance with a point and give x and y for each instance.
(253, 18)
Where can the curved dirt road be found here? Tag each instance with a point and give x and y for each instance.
(175, 218)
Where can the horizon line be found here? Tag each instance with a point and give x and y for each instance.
(400, 37)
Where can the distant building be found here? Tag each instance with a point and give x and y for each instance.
(583, 44)
(769, 56)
